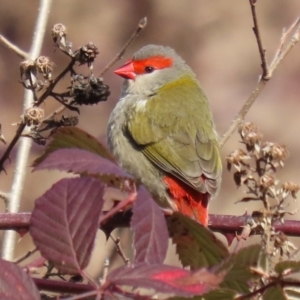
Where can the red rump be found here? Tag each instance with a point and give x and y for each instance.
(189, 201)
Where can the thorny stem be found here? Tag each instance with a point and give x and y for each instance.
(279, 56)
(219, 223)
(142, 24)
(8, 242)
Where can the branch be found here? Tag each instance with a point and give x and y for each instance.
(262, 51)
(62, 286)
(281, 53)
(225, 224)
(8, 242)
(13, 47)
(142, 24)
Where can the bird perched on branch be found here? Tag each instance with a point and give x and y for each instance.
(162, 132)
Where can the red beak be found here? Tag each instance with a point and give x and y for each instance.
(127, 71)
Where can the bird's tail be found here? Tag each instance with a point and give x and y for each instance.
(188, 201)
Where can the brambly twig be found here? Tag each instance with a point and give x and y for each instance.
(9, 238)
(142, 24)
(280, 54)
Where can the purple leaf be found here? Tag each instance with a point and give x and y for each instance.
(150, 230)
(65, 220)
(16, 284)
(165, 279)
(73, 137)
(79, 161)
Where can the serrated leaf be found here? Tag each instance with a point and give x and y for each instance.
(290, 266)
(15, 284)
(150, 230)
(65, 220)
(220, 294)
(274, 292)
(196, 245)
(79, 161)
(73, 137)
(239, 264)
(165, 279)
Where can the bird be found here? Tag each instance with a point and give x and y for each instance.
(162, 132)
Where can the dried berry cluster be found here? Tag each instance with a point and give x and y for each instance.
(255, 169)
(84, 90)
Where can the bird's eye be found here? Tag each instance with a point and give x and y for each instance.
(149, 69)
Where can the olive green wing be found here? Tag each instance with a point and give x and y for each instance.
(179, 141)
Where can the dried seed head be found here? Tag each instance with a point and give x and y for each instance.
(289, 188)
(28, 72)
(237, 159)
(58, 32)
(267, 181)
(250, 136)
(86, 54)
(275, 153)
(90, 90)
(240, 177)
(69, 120)
(33, 116)
(44, 66)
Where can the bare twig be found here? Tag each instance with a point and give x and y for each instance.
(25, 144)
(13, 47)
(262, 51)
(26, 255)
(142, 24)
(120, 250)
(281, 53)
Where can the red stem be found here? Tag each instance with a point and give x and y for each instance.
(221, 223)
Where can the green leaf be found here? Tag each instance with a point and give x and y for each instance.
(73, 137)
(274, 292)
(196, 245)
(290, 266)
(238, 267)
(221, 294)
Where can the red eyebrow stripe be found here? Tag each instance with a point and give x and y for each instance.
(157, 62)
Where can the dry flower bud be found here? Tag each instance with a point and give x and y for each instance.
(44, 66)
(237, 158)
(240, 177)
(59, 31)
(250, 135)
(275, 152)
(86, 54)
(27, 70)
(267, 181)
(33, 116)
(289, 188)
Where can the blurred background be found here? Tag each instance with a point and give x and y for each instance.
(216, 40)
